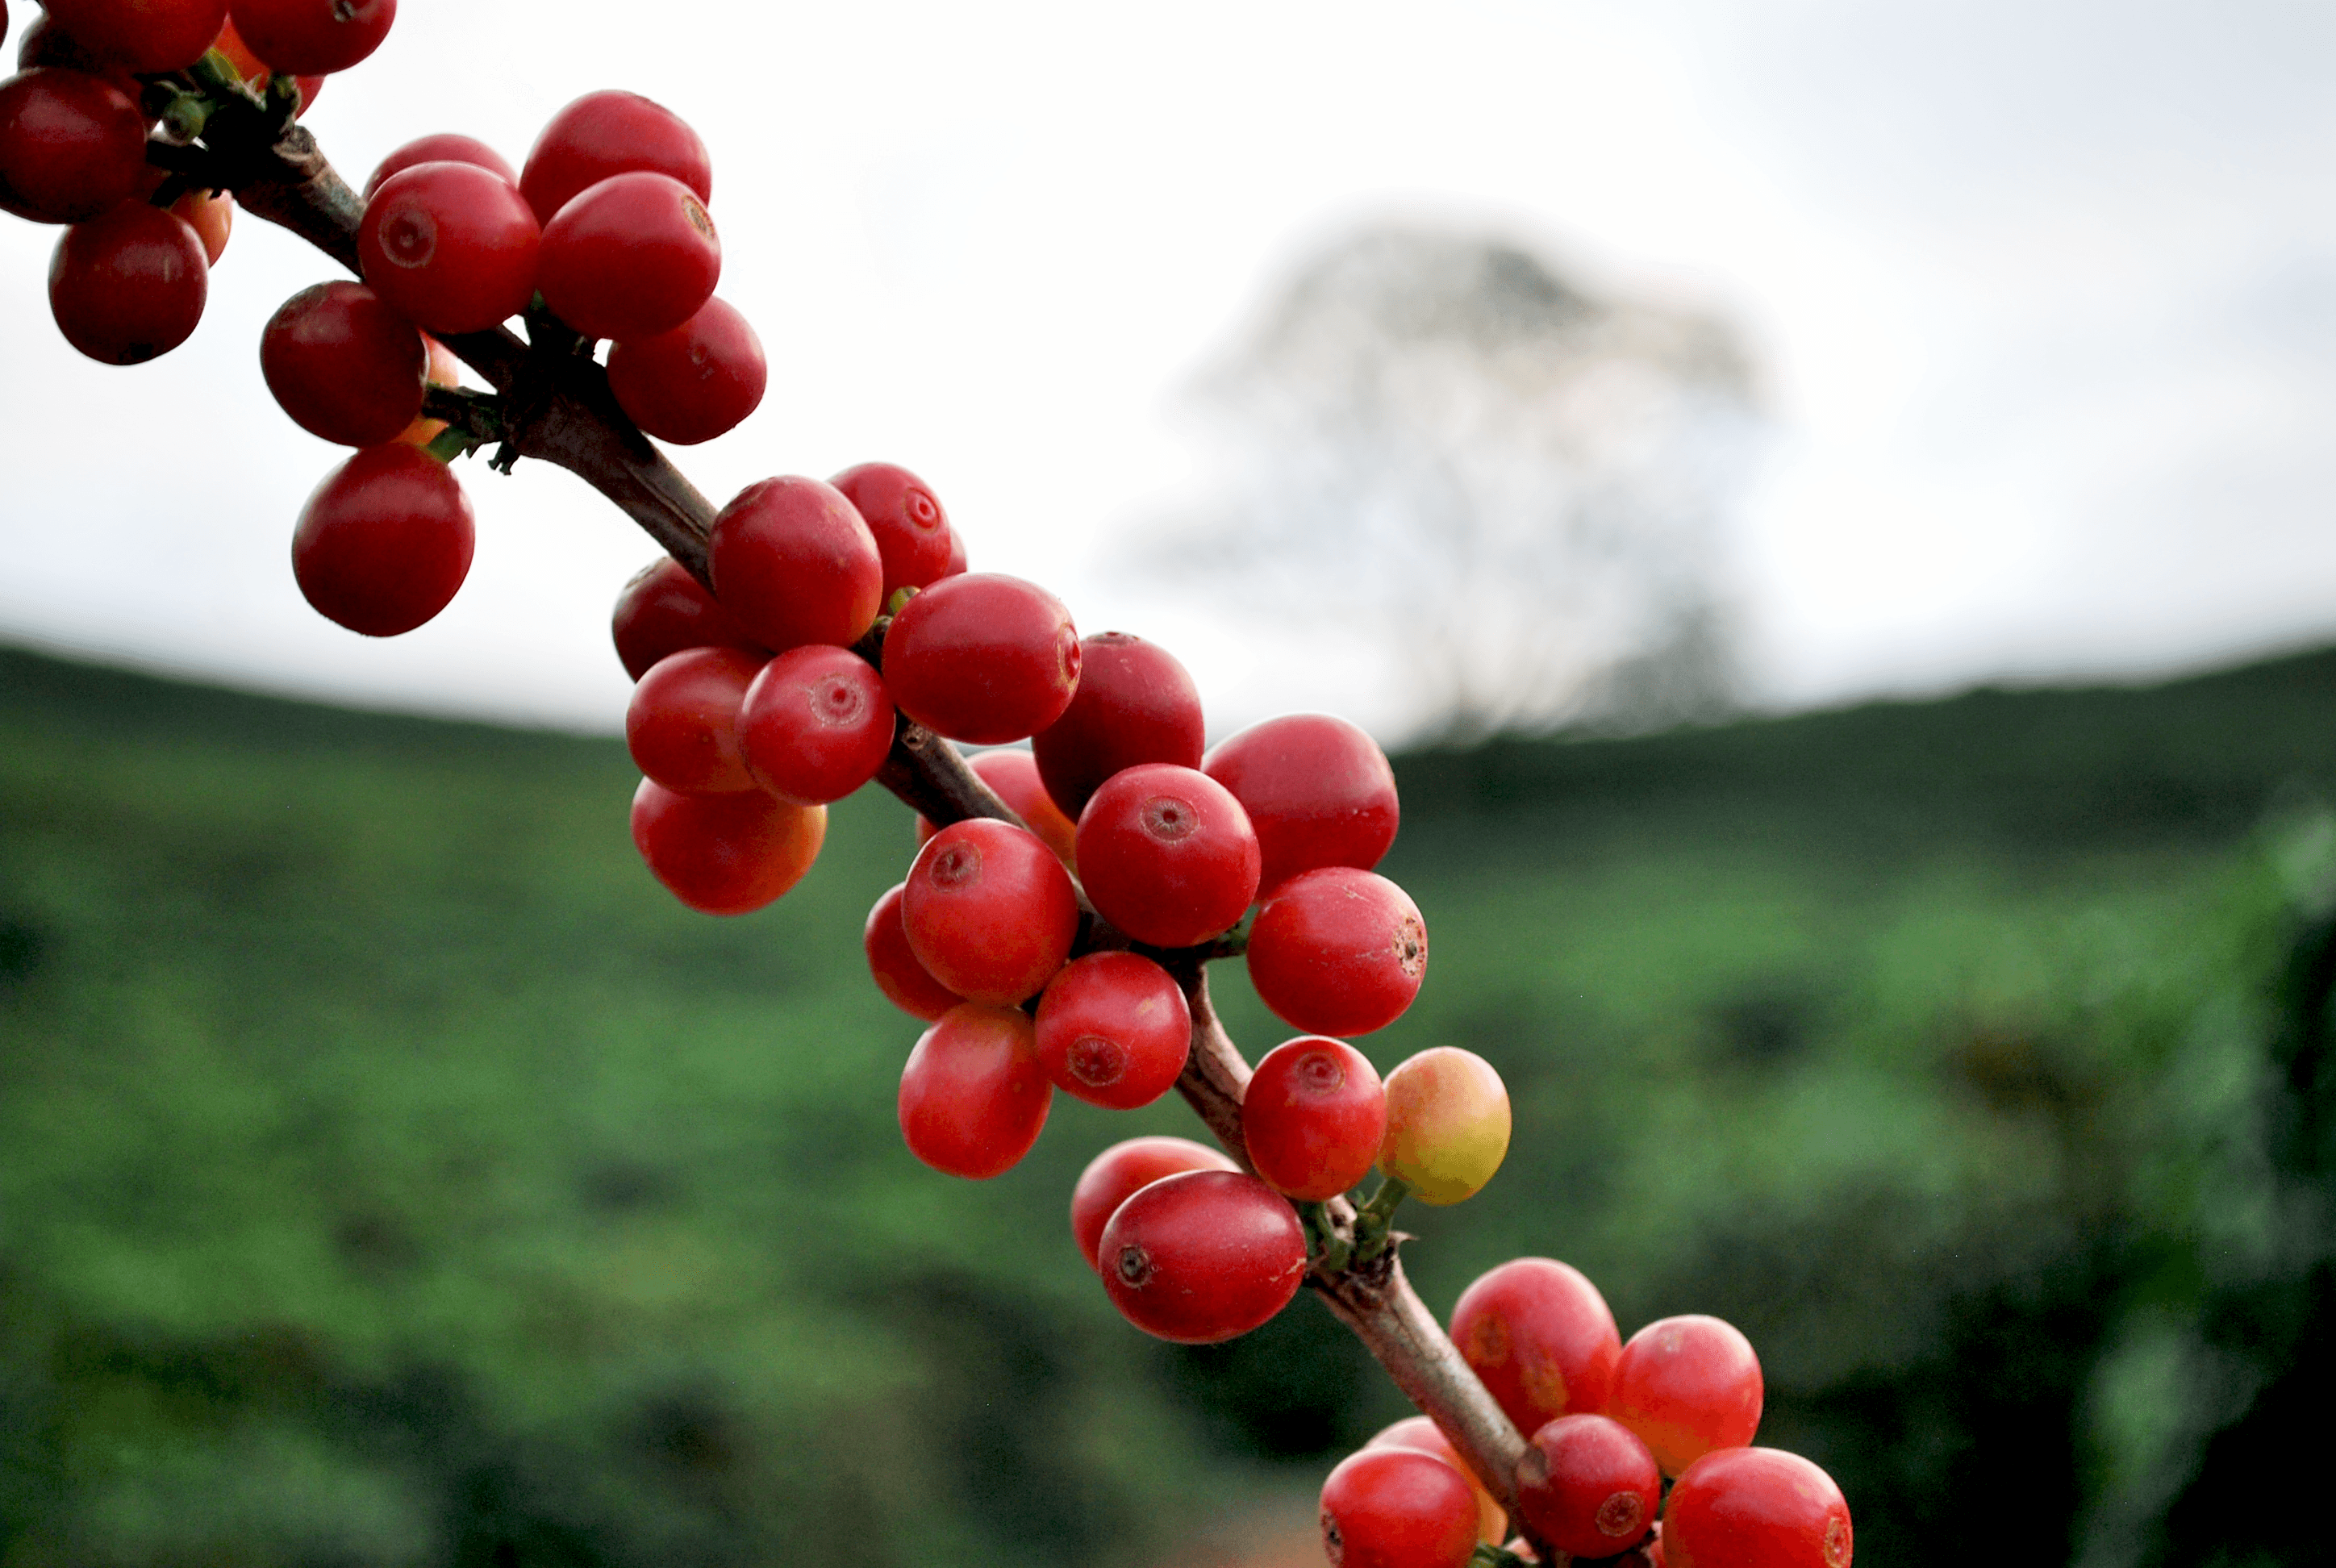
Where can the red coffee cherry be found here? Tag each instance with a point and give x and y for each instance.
(817, 724)
(1167, 855)
(1313, 1116)
(973, 1098)
(989, 910)
(694, 383)
(631, 256)
(794, 564)
(664, 610)
(129, 286)
(983, 658)
(1448, 1125)
(907, 984)
(682, 724)
(957, 559)
(1122, 1171)
(384, 542)
(1337, 952)
(1420, 1433)
(1542, 1338)
(450, 247)
(150, 35)
(1587, 1486)
(1756, 1508)
(1013, 777)
(725, 854)
(1113, 1029)
(605, 133)
(441, 146)
(912, 532)
(299, 37)
(1203, 1257)
(1397, 1508)
(256, 72)
(71, 147)
(344, 365)
(211, 215)
(1687, 1385)
(1319, 790)
(1134, 704)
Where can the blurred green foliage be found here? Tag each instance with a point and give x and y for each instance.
(390, 1174)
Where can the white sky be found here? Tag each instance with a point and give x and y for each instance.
(2045, 291)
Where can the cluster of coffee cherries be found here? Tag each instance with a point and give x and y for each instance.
(1642, 1445)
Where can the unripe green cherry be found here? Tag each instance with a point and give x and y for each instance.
(1448, 1125)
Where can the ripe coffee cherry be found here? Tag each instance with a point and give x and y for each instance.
(1337, 952)
(1113, 1029)
(1134, 704)
(725, 854)
(256, 72)
(682, 723)
(793, 563)
(1421, 1433)
(1448, 1125)
(1542, 1338)
(1203, 1257)
(605, 133)
(1319, 790)
(816, 725)
(694, 383)
(1687, 1385)
(1756, 1508)
(1587, 1486)
(299, 37)
(957, 559)
(664, 610)
(343, 365)
(983, 658)
(631, 256)
(1397, 1508)
(1313, 1116)
(384, 542)
(1122, 1171)
(912, 532)
(989, 910)
(151, 36)
(907, 984)
(211, 215)
(441, 146)
(973, 1098)
(71, 147)
(129, 286)
(1013, 777)
(452, 246)
(1167, 855)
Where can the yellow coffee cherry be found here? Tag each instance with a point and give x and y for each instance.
(1448, 1125)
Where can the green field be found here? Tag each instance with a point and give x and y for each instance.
(394, 1175)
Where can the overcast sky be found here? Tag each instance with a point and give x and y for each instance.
(2044, 292)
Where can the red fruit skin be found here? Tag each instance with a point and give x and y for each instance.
(1687, 1386)
(313, 38)
(794, 564)
(1542, 1338)
(1113, 1029)
(957, 559)
(1013, 777)
(1203, 1257)
(907, 984)
(1421, 1433)
(151, 36)
(1318, 789)
(989, 910)
(256, 72)
(982, 658)
(72, 147)
(344, 365)
(1124, 1170)
(1397, 1508)
(973, 1098)
(1134, 704)
(725, 854)
(816, 725)
(609, 133)
(682, 724)
(664, 610)
(1336, 951)
(631, 256)
(1587, 1486)
(695, 383)
(1756, 1508)
(384, 542)
(130, 286)
(210, 216)
(912, 532)
(1167, 855)
(450, 247)
(441, 146)
(1313, 1116)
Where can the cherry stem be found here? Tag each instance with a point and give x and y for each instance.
(1372, 1234)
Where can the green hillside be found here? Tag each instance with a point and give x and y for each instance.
(393, 1175)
